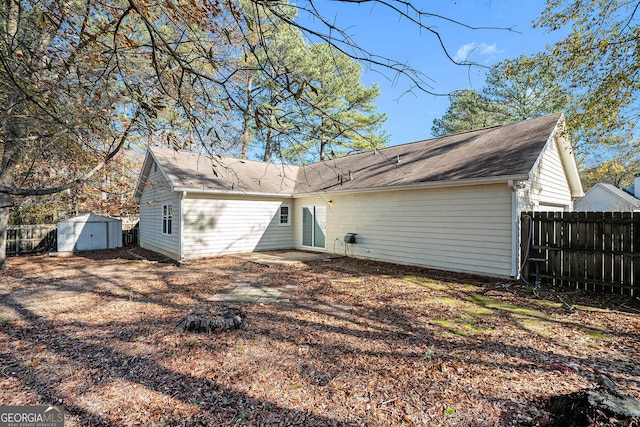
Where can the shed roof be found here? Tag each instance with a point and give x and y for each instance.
(495, 154)
(91, 218)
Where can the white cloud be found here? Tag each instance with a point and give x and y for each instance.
(466, 50)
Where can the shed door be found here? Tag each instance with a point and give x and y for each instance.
(314, 226)
(93, 236)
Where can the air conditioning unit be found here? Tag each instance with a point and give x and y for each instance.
(350, 238)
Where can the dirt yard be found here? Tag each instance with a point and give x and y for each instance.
(355, 343)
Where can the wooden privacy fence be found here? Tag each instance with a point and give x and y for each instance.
(22, 239)
(598, 251)
(30, 238)
(130, 237)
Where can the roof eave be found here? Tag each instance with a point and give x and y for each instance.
(144, 174)
(207, 191)
(569, 160)
(423, 185)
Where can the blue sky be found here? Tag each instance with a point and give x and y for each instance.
(379, 30)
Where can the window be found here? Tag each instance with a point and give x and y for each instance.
(167, 219)
(284, 215)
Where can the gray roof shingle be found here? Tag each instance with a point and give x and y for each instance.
(504, 151)
(187, 171)
(496, 153)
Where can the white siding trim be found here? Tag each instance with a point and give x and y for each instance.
(548, 187)
(419, 186)
(181, 242)
(515, 230)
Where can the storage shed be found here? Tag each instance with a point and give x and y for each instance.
(89, 233)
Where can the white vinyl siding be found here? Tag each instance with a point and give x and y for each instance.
(467, 229)
(549, 189)
(224, 225)
(156, 194)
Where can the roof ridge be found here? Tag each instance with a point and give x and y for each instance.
(219, 156)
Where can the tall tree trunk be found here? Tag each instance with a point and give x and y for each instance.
(246, 116)
(11, 138)
(323, 142)
(268, 146)
(5, 203)
(323, 155)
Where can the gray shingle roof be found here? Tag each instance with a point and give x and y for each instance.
(187, 171)
(504, 151)
(492, 154)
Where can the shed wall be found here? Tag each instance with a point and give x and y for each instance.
(155, 194)
(467, 229)
(601, 200)
(89, 233)
(229, 224)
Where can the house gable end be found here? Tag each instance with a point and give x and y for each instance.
(143, 180)
(554, 178)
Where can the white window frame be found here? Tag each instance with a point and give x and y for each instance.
(284, 224)
(167, 219)
(317, 212)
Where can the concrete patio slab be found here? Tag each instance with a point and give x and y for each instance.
(284, 258)
(252, 292)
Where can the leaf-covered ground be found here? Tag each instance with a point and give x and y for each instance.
(359, 343)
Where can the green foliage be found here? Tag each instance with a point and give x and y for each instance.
(469, 110)
(80, 81)
(514, 90)
(525, 89)
(338, 113)
(302, 102)
(618, 170)
(599, 61)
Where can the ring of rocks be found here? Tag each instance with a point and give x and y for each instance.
(227, 318)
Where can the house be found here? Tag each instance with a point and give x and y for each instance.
(608, 198)
(450, 203)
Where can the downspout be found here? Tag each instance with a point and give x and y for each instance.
(515, 227)
(183, 195)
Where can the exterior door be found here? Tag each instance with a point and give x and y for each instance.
(314, 226)
(93, 236)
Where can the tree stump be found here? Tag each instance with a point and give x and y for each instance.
(227, 318)
(591, 408)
